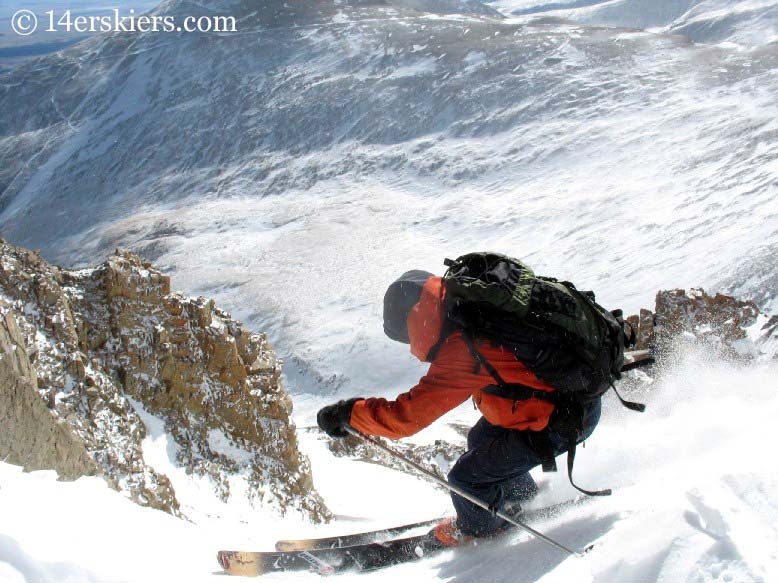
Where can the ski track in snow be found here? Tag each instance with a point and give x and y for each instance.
(656, 171)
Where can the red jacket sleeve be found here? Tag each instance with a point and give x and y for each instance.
(451, 379)
(440, 390)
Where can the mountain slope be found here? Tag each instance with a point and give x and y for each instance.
(366, 138)
(295, 168)
(706, 21)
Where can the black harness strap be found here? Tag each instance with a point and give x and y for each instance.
(449, 327)
(632, 405)
(570, 459)
(481, 360)
(541, 443)
(568, 423)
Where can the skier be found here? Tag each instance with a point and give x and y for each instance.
(502, 447)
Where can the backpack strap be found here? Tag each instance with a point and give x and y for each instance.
(567, 421)
(631, 405)
(570, 460)
(447, 330)
(515, 391)
(481, 360)
(567, 418)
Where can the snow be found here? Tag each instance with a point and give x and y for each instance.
(196, 493)
(220, 443)
(738, 23)
(654, 168)
(694, 500)
(83, 531)
(421, 67)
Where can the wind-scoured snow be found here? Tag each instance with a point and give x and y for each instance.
(297, 167)
(744, 22)
(294, 169)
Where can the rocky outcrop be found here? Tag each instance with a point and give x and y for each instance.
(735, 329)
(117, 356)
(31, 436)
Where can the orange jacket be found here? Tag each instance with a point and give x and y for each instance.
(451, 380)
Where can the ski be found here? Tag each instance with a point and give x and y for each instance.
(366, 556)
(385, 534)
(363, 557)
(348, 540)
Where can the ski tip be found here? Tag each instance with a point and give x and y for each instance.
(224, 561)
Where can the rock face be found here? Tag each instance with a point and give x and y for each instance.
(105, 349)
(31, 436)
(735, 329)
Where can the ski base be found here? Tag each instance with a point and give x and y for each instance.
(364, 557)
(329, 555)
(385, 534)
(348, 540)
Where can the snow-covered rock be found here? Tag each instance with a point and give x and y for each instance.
(732, 328)
(31, 436)
(119, 359)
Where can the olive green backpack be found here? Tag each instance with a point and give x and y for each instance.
(560, 333)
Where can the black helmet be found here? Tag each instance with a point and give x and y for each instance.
(400, 297)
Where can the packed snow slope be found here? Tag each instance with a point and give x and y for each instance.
(296, 167)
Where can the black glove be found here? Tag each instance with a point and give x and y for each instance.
(333, 418)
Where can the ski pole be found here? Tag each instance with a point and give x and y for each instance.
(458, 491)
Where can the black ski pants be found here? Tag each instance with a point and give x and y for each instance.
(495, 468)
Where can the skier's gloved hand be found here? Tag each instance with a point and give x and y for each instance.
(333, 418)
